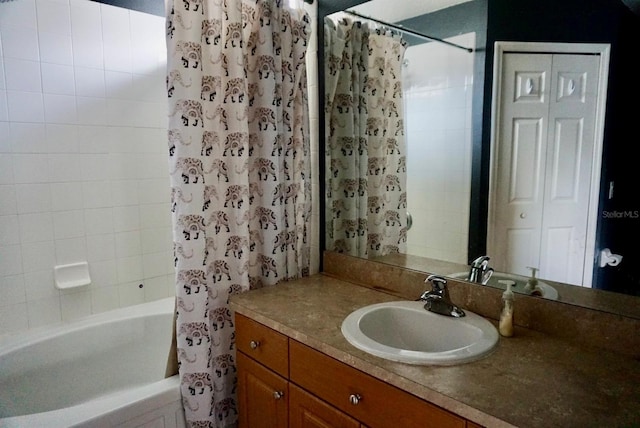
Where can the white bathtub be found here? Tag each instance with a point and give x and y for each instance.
(103, 371)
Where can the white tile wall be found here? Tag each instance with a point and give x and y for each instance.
(22, 75)
(20, 42)
(82, 108)
(438, 94)
(56, 48)
(5, 143)
(4, 109)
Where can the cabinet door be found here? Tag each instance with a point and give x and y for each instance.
(307, 411)
(262, 396)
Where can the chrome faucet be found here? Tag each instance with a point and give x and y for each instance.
(437, 300)
(480, 271)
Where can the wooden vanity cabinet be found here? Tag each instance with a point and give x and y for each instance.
(263, 369)
(284, 383)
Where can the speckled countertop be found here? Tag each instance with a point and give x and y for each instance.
(530, 380)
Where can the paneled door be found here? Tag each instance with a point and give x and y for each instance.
(543, 164)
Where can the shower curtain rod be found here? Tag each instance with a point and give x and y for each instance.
(407, 30)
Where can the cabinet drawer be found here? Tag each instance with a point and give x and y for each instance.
(377, 405)
(263, 344)
(307, 411)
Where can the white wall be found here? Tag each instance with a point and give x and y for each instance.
(83, 159)
(438, 93)
(314, 134)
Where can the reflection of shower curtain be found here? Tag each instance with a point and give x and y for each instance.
(365, 149)
(239, 161)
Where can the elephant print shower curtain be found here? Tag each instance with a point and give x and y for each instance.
(365, 150)
(239, 163)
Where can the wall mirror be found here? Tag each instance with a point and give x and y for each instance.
(429, 199)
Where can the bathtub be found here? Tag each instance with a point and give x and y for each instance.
(105, 370)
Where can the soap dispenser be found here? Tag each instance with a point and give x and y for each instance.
(506, 317)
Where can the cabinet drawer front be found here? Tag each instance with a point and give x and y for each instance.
(263, 344)
(371, 401)
(307, 411)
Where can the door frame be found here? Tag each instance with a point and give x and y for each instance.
(601, 49)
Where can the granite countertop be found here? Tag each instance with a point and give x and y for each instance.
(530, 380)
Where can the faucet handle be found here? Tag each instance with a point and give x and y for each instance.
(438, 282)
(438, 300)
(487, 274)
(480, 260)
(533, 271)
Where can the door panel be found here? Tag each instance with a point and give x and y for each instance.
(519, 165)
(522, 246)
(565, 172)
(572, 110)
(526, 145)
(557, 255)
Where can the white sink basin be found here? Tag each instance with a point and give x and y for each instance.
(406, 332)
(545, 290)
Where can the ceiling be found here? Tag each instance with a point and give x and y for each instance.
(392, 13)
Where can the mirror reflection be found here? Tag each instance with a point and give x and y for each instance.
(409, 148)
(366, 152)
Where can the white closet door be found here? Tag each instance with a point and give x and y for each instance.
(521, 162)
(545, 153)
(572, 110)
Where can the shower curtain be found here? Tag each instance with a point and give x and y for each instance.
(365, 148)
(239, 161)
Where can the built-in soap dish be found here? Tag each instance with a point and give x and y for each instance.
(71, 276)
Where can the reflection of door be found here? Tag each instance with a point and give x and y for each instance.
(544, 164)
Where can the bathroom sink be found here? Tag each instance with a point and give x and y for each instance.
(545, 290)
(406, 332)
